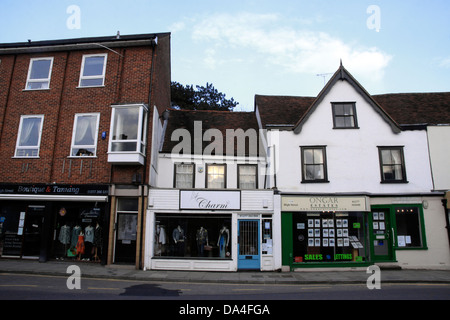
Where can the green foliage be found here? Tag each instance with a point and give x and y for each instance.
(201, 98)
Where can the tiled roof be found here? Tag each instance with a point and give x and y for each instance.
(416, 108)
(220, 120)
(404, 108)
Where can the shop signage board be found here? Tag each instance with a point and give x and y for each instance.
(53, 189)
(324, 203)
(210, 200)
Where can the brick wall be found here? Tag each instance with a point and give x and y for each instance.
(127, 80)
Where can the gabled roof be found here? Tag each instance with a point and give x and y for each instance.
(343, 75)
(399, 110)
(220, 120)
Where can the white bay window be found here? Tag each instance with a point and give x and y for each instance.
(128, 133)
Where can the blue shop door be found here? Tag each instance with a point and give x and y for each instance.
(248, 245)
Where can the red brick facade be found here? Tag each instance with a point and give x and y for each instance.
(132, 71)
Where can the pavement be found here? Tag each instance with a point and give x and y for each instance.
(298, 277)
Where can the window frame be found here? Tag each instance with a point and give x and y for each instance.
(208, 166)
(354, 115)
(30, 68)
(19, 134)
(94, 146)
(239, 166)
(102, 76)
(141, 137)
(382, 165)
(324, 164)
(175, 166)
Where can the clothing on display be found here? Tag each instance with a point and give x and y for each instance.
(222, 243)
(202, 240)
(64, 234)
(89, 234)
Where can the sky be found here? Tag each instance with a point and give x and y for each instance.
(249, 47)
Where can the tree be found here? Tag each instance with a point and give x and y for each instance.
(204, 98)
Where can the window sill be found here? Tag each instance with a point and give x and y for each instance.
(82, 157)
(345, 128)
(24, 90)
(126, 158)
(395, 182)
(37, 157)
(315, 181)
(84, 87)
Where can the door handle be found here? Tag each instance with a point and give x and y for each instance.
(393, 238)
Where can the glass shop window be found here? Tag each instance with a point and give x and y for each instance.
(328, 237)
(196, 237)
(408, 224)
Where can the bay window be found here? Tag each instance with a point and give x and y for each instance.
(128, 133)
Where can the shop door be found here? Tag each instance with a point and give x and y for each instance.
(248, 244)
(382, 237)
(126, 231)
(32, 231)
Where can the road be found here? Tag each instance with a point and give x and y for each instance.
(27, 286)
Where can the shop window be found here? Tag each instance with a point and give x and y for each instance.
(344, 115)
(314, 166)
(79, 232)
(194, 236)
(84, 138)
(247, 176)
(328, 237)
(93, 70)
(128, 134)
(216, 176)
(184, 175)
(29, 137)
(39, 74)
(408, 225)
(392, 164)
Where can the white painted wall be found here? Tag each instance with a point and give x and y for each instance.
(352, 154)
(439, 144)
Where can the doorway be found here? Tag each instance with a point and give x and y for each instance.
(248, 245)
(32, 230)
(126, 230)
(382, 237)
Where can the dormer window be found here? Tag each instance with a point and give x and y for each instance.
(344, 115)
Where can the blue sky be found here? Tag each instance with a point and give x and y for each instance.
(250, 47)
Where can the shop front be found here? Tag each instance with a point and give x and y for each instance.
(210, 230)
(60, 222)
(324, 231)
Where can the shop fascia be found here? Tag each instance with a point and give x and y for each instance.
(210, 200)
(321, 203)
(43, 190)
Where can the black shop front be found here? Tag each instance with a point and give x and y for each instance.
(51, 221)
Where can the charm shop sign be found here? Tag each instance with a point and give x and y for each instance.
(210, 200)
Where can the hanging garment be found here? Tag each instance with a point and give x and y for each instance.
(75, 233)
(64, 234)
(89, 234)
(80, 244)
(98, 240)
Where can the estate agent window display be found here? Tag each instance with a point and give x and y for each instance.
(197, 237)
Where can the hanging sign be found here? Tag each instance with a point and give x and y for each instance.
(210, 200)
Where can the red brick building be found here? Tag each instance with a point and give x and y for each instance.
(75, 138)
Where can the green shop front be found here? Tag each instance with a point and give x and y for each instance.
(325, 231)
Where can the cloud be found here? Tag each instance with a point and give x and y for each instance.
(295, 51)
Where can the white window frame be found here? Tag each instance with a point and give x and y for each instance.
(75, 125)
(19, 134)
(30, 67)
(141, 138)
(102, 76)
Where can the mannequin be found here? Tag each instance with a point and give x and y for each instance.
(98, 242)
(202, 240)
(222, 243)
(178, 238)
(80, 246)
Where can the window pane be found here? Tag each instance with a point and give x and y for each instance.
(123, 146)
(408, 227)
(91, 82)
(85, 130)
(29, 135)
(318, 156)
(247, 177)
(184, 176)
(93, 66)
(126, 123)
(308, 156)
(40, 69)
(127, 204)
(386, 156)
(216, 177)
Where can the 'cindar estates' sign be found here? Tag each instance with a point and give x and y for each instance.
(210, 200)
